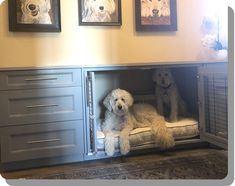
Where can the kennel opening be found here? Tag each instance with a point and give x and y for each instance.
(138, 81)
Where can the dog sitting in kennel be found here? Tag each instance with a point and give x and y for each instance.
(169, 103)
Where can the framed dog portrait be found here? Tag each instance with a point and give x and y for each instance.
(100, 12)
(34, 15)
(156, 15)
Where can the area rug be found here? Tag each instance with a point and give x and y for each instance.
(209, 165)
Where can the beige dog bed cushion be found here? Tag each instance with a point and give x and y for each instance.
(183, 129)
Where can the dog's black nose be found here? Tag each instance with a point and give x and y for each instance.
(32, 7)
(119, 107)
(101, 7)
(155, 11)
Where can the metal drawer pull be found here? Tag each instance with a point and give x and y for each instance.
(38, 106)
(43, 141)
(41, 79)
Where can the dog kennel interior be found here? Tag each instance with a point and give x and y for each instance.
(138, 81)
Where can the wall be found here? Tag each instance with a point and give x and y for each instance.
(86, 45)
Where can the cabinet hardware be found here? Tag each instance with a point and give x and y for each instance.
(38, 106)
(43, 141)
(41, 79)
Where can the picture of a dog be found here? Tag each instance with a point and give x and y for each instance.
(168, 100)
(146, 8)
(122, 115)
(98, 10)
(35, 12)
(155, 8)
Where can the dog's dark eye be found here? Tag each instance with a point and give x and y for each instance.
(115, 99)
(123, 100)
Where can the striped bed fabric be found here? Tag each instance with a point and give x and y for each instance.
(185, 128)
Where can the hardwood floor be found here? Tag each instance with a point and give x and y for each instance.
(21, 174)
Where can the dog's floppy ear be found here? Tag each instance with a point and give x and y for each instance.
(112, 6)
(48, 4)
(87, 11)
(107, 103)
(129, 99)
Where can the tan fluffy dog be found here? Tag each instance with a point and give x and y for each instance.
(121, 115)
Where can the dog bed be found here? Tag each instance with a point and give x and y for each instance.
(185, 128)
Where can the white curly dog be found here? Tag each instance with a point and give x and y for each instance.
(122, 115)
(168, 100)
(98, 10)
(35, 11)
(151, 8)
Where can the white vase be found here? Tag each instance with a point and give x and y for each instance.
(214, 55)
(222, 55)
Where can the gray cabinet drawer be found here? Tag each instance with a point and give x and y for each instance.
(24, 79)
(41, 141)
(40, 105)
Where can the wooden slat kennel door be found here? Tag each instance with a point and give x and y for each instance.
(213, 103)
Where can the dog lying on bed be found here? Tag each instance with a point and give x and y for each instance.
(124, 116)
(35, 11)
(168, 100)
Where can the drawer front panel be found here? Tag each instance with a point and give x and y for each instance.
(42, 105)
(39, 78)
(42, 140)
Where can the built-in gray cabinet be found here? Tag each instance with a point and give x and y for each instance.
(50, 116)
(41, 114)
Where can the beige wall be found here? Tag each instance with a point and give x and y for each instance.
(85, 45)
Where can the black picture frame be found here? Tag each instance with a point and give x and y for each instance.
(25, 19)
(91, 18)
(151, 19)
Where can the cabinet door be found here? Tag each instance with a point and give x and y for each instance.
(34, 79)
(40, 105)
(90, 113)
(213, 103)
(42, 141)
